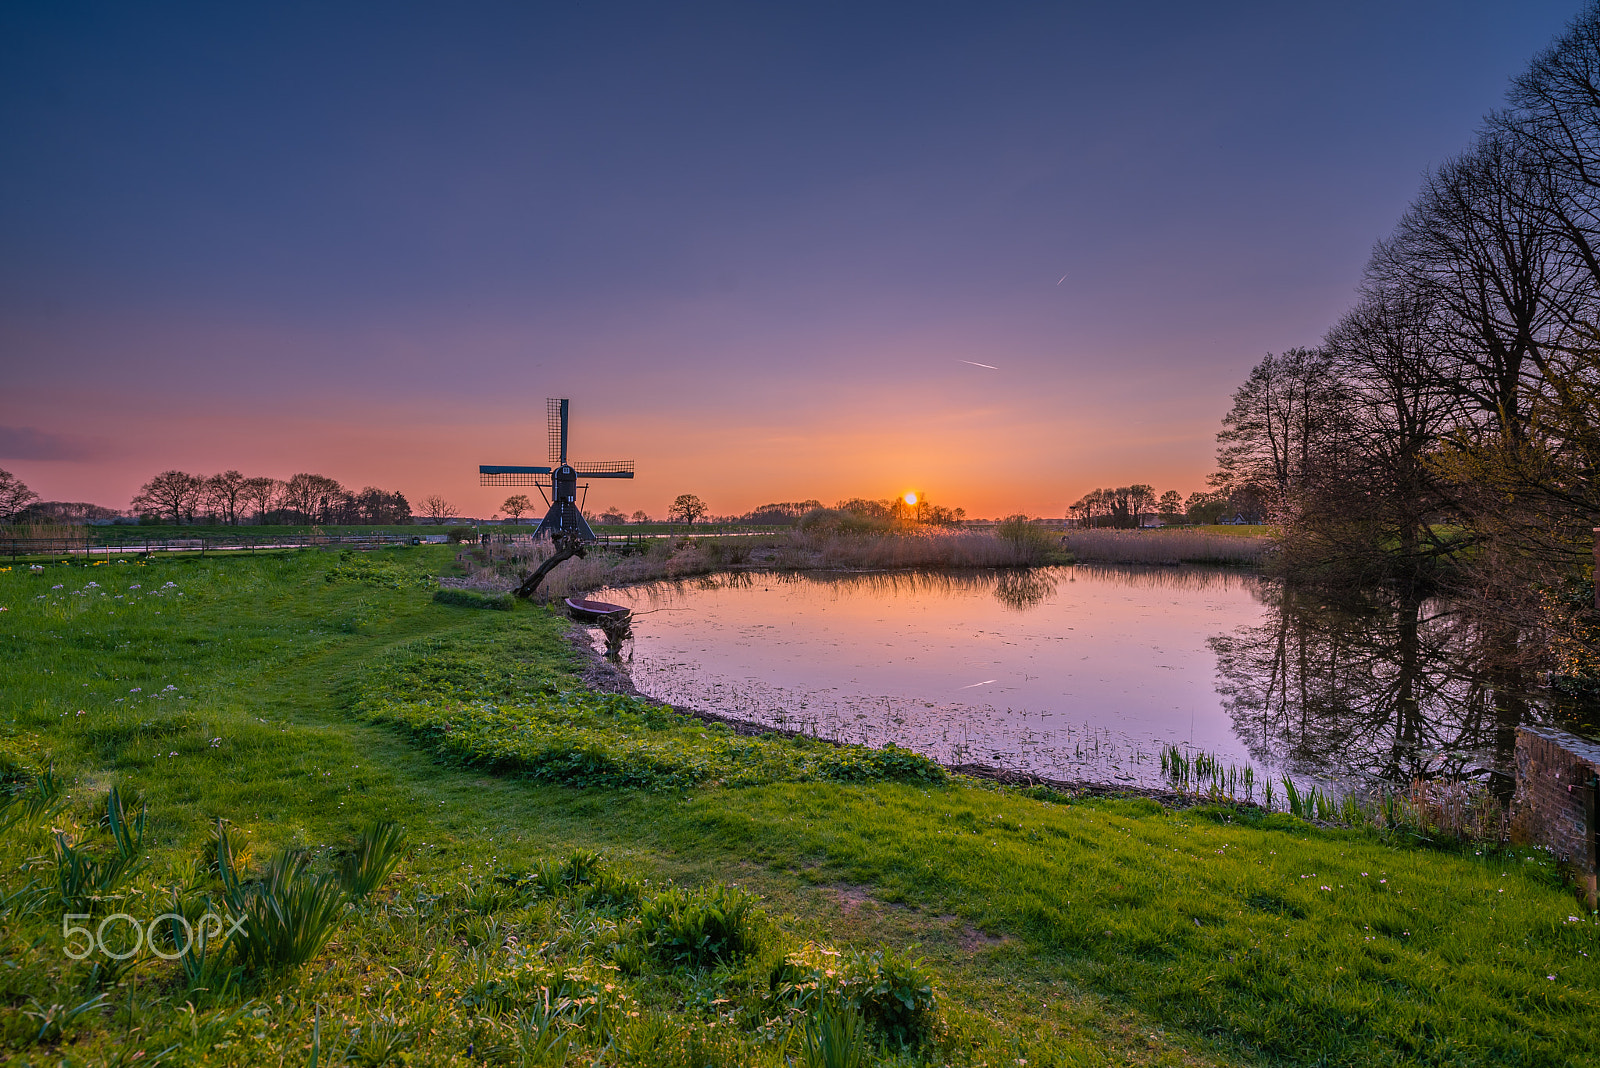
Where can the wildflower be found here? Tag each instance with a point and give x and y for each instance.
(134, 586)
(1551, 978)
(57, 586)
(92, 586)
(136, 689)
(1328, 888)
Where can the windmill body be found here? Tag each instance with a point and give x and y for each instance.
(559, 482)
(564, 522)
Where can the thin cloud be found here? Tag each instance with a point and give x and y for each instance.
(26, 443)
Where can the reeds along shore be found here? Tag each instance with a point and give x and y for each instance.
(1163, 547)
(497, 566)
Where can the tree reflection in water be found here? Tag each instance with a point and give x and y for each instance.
(1374, 688)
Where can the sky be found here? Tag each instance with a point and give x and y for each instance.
(763, 248)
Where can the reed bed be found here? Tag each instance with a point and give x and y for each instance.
(924, 550)
(1164, 547)
(499, 566)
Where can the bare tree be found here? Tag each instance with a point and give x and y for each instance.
(225, 492)
(687, 507)
(1491, 277)
(309, 495)
(1274, 435)
(262, 492)
(171, 493)
(15, 496)
(437, 509)
(641, 516)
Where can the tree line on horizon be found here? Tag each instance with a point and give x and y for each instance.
(1125, 507)
(1446, 432)
(229, 496)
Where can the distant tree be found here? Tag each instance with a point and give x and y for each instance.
(67, 511)
(687, 507)
(863, 507)
(613, 517)
(779, 513)
(261, 492)
(374, 505)
(174, 494)
(14, 496)
(437, 509)
(516, 504)
(309, 495)
(224, 493)
(1202, 508)
(1141, 499)
(1170, 506)
(641, 516)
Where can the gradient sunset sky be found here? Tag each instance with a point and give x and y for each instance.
(755, 243)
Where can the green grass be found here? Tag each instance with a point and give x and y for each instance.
(304, 698)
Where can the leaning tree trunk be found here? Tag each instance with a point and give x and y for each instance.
(566, 548)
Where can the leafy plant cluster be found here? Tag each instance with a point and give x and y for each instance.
(381, 572)
(503, 602)
(474, 709)
(567, 959)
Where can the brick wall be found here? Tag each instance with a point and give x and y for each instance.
(1552, 806)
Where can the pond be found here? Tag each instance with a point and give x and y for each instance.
(1086, 673)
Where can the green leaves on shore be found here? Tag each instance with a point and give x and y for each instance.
(477, 706)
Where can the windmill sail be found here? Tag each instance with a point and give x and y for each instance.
(560, 479)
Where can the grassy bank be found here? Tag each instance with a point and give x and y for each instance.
(304, 697)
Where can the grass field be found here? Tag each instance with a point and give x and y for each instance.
(586, 880)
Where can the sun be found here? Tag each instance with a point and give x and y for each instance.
(911, 498)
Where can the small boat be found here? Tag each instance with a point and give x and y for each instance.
(585, 611)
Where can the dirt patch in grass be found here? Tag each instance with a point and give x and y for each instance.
(851, 897)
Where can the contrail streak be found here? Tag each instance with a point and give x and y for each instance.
(974, 363)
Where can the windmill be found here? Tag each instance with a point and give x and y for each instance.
(564, 522)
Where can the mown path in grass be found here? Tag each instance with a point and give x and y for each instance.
(1109, 932)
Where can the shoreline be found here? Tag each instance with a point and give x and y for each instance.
(604, 675)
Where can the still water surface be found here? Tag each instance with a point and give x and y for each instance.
(1069, 672)
(1086, 673)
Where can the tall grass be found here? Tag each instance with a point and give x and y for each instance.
(500, 566)
(1164, 547)
(919, 549)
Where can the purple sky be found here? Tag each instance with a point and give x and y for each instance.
(753, 243)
